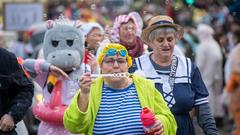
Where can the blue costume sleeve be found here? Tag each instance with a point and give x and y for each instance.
(206, 120)
(198, 86)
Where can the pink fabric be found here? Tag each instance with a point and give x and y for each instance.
(37, 66)
(52, 129)
(45, 113)
(56, 98)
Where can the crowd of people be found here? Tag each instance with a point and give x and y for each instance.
(178, 71)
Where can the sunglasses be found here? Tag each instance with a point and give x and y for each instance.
(113, 52)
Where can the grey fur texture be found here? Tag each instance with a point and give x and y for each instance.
(63, 47)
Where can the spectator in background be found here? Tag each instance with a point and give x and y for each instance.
(126, 31)
(222, 40)
(233, 87)
(94, 34)
(209, 60)
(232, 77)
(234, 50)
(234, 24)
(176, 77)
(22, 48)
(16, 92)
(188, 43)
(2, 41)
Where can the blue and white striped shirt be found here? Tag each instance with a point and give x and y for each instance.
(119, 112)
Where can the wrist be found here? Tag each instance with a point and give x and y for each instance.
(83, 100)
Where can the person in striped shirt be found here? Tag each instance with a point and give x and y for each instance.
(112, 105)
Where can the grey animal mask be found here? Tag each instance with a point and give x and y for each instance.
(63, 45)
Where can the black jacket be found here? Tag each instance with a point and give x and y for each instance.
(16, 90)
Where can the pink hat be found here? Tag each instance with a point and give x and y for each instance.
(123, 19)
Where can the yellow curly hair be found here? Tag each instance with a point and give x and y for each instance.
(117, 47)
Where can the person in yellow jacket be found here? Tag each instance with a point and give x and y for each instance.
(111, 104)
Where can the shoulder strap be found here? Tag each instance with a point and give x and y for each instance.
(173, 71)
(138, 63)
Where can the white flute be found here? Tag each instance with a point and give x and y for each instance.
(110, 75)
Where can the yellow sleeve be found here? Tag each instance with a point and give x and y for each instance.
(74, 120)
(163, 113)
